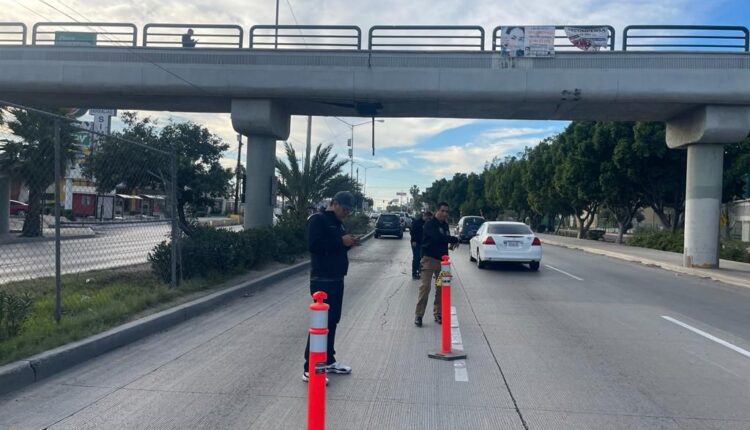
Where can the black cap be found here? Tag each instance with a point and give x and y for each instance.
(345, 199)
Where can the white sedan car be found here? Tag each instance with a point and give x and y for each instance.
(505, 241)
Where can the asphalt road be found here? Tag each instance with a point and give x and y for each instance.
(581, 344)
(113, 246)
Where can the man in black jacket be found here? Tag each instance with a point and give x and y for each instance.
(416, 242)
(435, 239)
(329, 243)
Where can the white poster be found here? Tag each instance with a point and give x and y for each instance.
(528, 41)
(588, 38)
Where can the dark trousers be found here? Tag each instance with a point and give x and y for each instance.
(416, 252)
(335, 291)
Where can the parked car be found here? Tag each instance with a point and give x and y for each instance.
(18, 208)
(468, 227)
(389, 225)
(505, 241)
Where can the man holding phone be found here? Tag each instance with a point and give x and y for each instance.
(329, 244)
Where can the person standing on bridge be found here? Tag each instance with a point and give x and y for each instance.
(435, 240)
(329, 244)
(416, 242)
(187, 39)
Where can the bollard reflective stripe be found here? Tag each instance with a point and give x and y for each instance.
(319, 319)
(318, 341)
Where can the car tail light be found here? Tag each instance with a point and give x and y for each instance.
(488, 241)
(536, 242)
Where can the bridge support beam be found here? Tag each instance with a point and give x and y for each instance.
(263, 122)
(4, 206)
(704, 131)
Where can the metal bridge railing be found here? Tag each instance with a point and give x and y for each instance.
(12, 33)
(562, 41)
(204, 35)
(685, 37)
(427, 37)
(84, 34)
(654, 38)
(305, 37)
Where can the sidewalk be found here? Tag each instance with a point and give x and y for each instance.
(730, 272)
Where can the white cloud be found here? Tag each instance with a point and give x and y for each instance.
(463, 158)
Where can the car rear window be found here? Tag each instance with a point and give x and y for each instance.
(508, 229)
(388, 218)
(473, 221)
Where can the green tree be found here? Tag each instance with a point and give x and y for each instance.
(736, 177)
(31, 158)
(314, 181)
(577, 177)
(659, 172)
(200, 176)
(538, 179)
(416, 199)
(620, 194)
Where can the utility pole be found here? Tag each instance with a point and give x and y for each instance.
(239, 178)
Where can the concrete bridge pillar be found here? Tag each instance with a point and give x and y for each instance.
(4, 205)
(263, 122)
(704, 131)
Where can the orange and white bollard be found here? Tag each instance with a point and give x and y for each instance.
(446, 352)
(316, 390)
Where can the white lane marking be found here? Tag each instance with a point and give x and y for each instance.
(563, 272)
(708, 336)
(459, 366)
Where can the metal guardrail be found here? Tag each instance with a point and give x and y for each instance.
(662, 38)
(682, 37)
(560, 36)
(437, 37)
(207, 36)
(12, 33)
(93, 34)
(296, 37)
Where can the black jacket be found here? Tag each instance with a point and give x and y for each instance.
(416, 230)
(435, 239)
(328, 254)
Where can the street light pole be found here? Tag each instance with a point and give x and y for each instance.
(237, 171)
(351, 140)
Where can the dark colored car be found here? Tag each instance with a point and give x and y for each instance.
(389, 225)
(467, 227)
(18, 208)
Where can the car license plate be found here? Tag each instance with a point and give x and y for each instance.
(513, 244)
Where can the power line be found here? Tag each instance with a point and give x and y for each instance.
(33, 11)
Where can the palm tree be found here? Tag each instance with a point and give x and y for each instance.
(31, 158)
(310, 184)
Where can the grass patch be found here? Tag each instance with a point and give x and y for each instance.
(664, 240)
(91, 303)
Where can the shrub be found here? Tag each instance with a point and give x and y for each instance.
(664, 240)
(734, 250)
(209, 250)
(357, 224)
(14, 310)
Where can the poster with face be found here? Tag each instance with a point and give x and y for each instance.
(528, 41)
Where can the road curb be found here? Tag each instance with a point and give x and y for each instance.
(22, 373)
(25, 372)
(649, 262)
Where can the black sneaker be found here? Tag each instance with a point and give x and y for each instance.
(438, 319)
(418, 321)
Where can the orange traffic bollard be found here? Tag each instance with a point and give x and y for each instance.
(446, 352)
(316, 390)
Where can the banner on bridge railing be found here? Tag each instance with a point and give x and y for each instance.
(528, 41)
(588, 38)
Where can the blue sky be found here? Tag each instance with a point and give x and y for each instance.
(410, 151)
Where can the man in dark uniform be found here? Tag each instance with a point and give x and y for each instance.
(435, 239)
(329, 244)
(416, 242)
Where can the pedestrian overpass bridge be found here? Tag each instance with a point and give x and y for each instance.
(702, 90)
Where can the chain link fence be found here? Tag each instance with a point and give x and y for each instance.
(81, 211)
